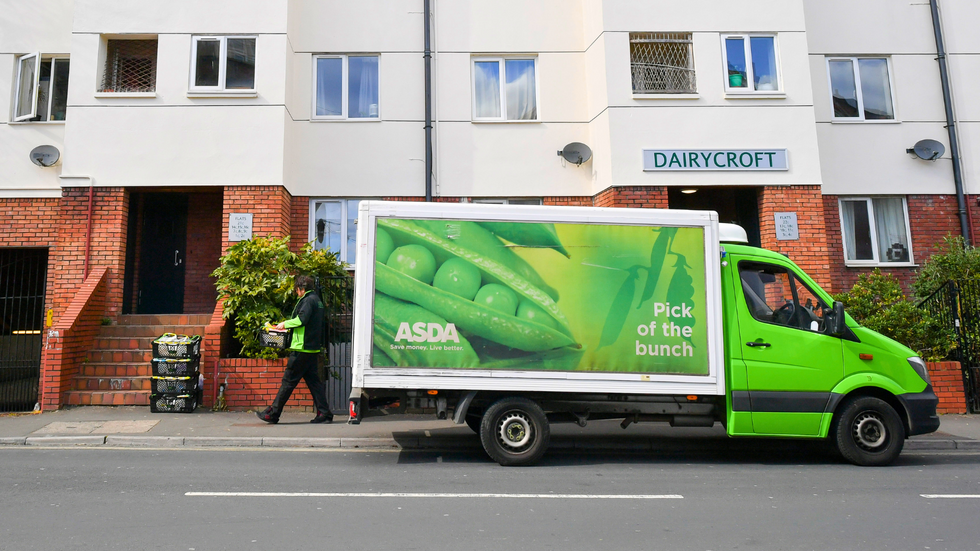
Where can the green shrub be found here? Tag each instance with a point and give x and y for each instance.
(255, 280)
(954, 259)
(876, 301)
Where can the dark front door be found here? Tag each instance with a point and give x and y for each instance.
(162, 253)
(22, 278)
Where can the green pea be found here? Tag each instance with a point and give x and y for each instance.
(497, 297)
(384, 246)
(469, 316)
(414, 261)
(527, 310)
(458, 277)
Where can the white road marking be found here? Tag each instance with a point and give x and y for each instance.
(951, 496)
(435, 495)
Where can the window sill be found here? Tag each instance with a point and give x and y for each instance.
(378, 119)
(850, 264)
(36, 122)
(864, 121)
(223, 94)
(125, 94)
(755, 95)
(482, 121)
(666, 96)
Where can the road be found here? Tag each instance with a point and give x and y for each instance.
(198, 500)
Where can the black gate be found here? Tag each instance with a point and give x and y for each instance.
(957, 305)
(22, 278)
(339, 334)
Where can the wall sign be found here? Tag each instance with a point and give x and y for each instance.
(239, 226)
(787, 228)
(655, 160)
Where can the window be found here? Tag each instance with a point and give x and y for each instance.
(333, 227)
(223, 63)
(500, 201)
(130, 66)
(504, 89)
(662, 63)
(875, 230)
(860, 88)
(346, 87)
(776, 295)
(751, 63)
(42, 88)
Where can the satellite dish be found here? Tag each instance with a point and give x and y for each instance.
(576, 153)
(928, 150)
(45, 155)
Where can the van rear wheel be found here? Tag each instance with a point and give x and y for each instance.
(515, 431)
(868, 431)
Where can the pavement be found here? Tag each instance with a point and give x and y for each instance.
(133, 426)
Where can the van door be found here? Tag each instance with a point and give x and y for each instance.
(791, 363)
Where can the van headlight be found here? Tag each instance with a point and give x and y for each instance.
(920, 368)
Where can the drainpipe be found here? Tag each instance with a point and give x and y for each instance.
(88, 232)
(954, 149)
(428, 105)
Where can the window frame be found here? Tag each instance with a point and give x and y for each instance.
(876, 261)
(856, 71)
(634, 35)
(749, 70)
(502, 71)
(221, 88)
(506, 201)
(344, 93)
(795, 282)
(344, 217)
(39, 58)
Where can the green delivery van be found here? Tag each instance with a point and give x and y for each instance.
(508, 318)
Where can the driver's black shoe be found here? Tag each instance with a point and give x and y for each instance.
(322, 417)
(268, 415)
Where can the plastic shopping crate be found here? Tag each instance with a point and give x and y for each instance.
(174, 385)
(170, 345)
(174, 368)
(173, 403)
(279, 340)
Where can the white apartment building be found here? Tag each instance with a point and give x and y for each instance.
(170, 119)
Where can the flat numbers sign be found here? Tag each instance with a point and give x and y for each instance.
(239, 226)
(787, 228)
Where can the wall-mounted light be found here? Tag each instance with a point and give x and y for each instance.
(689, 191)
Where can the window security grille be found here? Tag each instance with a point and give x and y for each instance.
(662, 63)
(130, 66)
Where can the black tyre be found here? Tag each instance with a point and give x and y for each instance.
(515, 431)
(868, 431)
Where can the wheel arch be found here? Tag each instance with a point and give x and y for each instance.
(879, 392)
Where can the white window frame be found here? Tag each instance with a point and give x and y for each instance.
(343, 89)
(35, 87)
(503, 87)
(749, 71)
(506, 201)
(876, 261)
(858, 89)
(222, 64)
(344, 216)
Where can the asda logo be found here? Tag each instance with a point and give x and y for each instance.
(427, 332)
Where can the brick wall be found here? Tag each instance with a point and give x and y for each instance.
(299, 221)
(810, 251)
(570, 201)
(270, 207)
(32, 222)
(647, 197)
(947, 382)
(253, 384)
(203, 250)
(931, 218)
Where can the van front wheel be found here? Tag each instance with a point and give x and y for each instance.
(515, 431)
(868, 431)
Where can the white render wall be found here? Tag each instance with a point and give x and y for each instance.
(866, 158)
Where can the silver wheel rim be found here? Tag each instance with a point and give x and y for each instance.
(869, 431)
(514, 431)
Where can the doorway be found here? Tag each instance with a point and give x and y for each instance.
(23, 273)
(161, 227)
(734, 205)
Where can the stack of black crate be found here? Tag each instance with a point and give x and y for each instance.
(176, 374)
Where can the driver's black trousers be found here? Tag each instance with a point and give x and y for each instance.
(301, 365)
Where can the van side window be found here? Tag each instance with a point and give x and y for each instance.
(774, 294)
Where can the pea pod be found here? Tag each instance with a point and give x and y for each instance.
(380, 359)
(528, 234)
(390, 313)
(560, 359)
(469, 316)
(400, 357)
(492, 270)
(478, 239)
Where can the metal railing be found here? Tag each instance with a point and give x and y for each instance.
(956, 304)
(22, 288)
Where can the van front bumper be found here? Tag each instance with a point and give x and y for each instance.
(921, 407)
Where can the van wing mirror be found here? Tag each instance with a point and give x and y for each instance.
(835, 319)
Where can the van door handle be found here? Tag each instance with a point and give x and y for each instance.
(754, 344)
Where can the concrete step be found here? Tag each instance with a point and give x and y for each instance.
(164, 319)
(108, 398)
(112, 383)
(113, 369)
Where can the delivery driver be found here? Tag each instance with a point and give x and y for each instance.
(307, 326)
